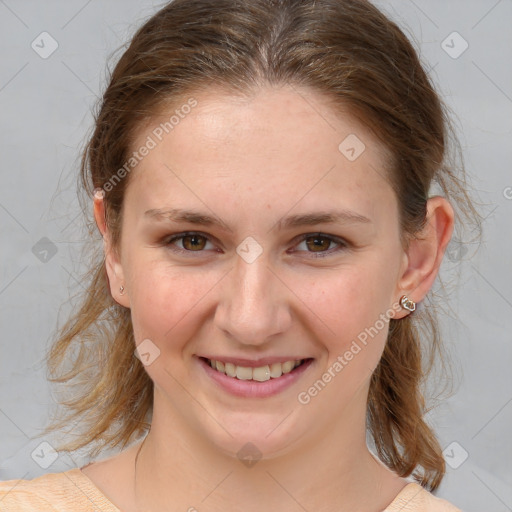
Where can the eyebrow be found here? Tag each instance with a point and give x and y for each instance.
(292, 221)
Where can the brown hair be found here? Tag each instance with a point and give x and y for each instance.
(346, 50)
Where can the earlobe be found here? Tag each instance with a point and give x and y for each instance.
(426, 250)
(113, 266)
(116, 277)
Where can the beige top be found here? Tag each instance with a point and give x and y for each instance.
(73, 491)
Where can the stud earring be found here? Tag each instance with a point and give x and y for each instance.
(99, 193)
(121, 290)
(407, 303)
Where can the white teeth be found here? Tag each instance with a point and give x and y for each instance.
(230, 369)
(243, 373)
(260, 374)
(276, 370)
(288, 366)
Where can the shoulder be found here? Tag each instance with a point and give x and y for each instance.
(53, 492)
(414, 498)
(16, 498)
(21, 495)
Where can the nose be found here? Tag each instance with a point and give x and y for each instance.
(253, 306)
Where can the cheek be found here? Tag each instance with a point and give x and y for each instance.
(166, 300)
(348, 304)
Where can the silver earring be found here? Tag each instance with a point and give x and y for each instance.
(121, 289)
(407, 303)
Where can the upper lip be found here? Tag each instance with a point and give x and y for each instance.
(254, 363)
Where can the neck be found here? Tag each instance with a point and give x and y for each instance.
(332, 470)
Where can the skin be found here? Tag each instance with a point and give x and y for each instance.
(250, 163)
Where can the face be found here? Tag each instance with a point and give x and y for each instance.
(292, 253)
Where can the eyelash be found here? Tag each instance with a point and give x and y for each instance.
(322, 254)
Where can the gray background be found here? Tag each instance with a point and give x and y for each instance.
(45, 106)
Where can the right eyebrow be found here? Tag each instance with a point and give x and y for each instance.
(190, 216)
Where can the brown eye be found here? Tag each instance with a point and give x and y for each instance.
(188, 243)
(194, 242)
(318, 243)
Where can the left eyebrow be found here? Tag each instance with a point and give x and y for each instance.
(330, 217)
(292, 221)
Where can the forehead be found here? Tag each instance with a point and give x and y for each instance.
(279, 145)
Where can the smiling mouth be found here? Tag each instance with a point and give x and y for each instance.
(260, 373)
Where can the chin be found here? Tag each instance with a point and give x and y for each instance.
(251, 436)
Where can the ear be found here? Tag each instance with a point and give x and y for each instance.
(424, 256)
(112, 262)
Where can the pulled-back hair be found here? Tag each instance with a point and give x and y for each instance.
(345, 50)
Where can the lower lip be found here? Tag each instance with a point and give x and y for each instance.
(253, 388)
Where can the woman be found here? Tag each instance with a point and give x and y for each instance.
(261, 175)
